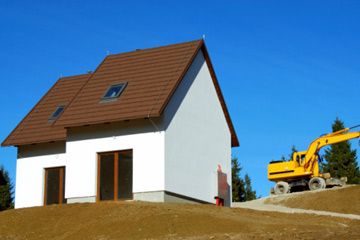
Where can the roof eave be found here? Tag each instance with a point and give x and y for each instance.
(81, 124)
(16, 144)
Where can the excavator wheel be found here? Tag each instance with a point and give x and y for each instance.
(281, 188)
(317, 183)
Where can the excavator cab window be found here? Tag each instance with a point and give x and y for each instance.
(300, 159)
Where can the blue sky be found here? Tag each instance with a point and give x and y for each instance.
(286, 69)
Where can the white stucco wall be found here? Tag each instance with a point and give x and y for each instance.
(197, 137)
(80, 160)
(30, 173)
(83, 145)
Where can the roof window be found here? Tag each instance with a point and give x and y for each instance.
(58, 111)
(114, 91)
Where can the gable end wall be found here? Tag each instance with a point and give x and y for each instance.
(197, 137)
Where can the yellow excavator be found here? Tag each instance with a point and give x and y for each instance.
(303, 169)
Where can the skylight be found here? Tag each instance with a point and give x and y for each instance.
(114, 91)
(57, 112)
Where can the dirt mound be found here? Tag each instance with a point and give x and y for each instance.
(340, 200)
(134, 220)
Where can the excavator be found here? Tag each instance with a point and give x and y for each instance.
(303, 169)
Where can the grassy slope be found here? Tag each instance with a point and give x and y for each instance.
(134, 220)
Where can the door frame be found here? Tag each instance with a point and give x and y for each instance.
(116, 172)
(61, 183)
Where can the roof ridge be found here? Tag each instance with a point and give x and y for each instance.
(73, 76)
(156, 48)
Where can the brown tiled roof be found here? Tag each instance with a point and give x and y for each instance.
(35, 127)
(152, 76)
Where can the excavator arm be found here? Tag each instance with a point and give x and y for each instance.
(312, 152)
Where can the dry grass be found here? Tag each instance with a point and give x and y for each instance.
(136, 220)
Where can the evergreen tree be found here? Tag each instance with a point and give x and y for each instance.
(341, 159)
(241, 189)
(6, 190)
(293, 150)
(238, 185)
(249, 193)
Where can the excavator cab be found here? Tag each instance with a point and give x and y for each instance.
(299, 158)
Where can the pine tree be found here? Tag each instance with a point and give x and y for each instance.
(6, 190)
(241, 189)
(293, 150)
(249, 193)
(238, 185)
(341, 159)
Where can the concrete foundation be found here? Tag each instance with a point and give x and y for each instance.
(82, 200)
(165, 196)
(156, 196)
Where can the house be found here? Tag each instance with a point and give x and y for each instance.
(148, 125)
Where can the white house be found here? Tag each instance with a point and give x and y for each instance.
(148, 125)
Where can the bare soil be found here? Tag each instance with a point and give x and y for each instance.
(137, 220)
(339, 200)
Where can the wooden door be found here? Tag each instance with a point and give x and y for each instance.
(115, 171)
(54, 186)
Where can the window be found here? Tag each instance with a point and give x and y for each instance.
(57, 112)
(114, 91)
